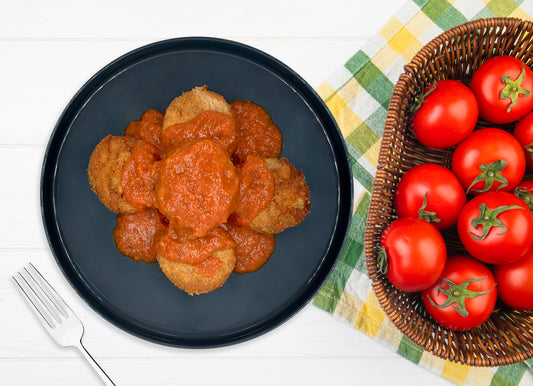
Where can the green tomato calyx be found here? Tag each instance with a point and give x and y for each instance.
(513, 88)
(383, 261)
(458, 293)
(425, 215)
(489, 218)
(490, 173)
(420, 100)
(529, 149)
(526, 196)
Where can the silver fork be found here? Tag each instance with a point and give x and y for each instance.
(55, 315)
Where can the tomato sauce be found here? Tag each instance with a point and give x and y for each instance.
(252, 249)
(181, 249)
(148, 128)
(197, 187)
(209, 267)
(256, 190)
(139, 174)
(132, 129)
(256, 133)
(208, 124)
(136, 234)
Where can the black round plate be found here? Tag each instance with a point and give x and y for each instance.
(136, 296)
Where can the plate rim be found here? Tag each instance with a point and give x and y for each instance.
(336, 142)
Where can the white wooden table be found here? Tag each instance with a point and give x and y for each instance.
(48, 49)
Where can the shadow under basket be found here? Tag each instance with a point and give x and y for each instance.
(507, 337)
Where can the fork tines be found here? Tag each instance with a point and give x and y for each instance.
(45, 300)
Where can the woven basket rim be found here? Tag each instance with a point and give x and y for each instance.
(379, 284)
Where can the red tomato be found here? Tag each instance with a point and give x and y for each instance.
(447, 115)
(489, 160)
(524, 190)
(432, 193)
(412, 254)
(515, 282)
(523, 132)
(503, 87)
(464, 295)
(496, 227)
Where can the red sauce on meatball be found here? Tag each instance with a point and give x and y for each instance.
(181, 249)
(252, 249)
(209, 267)
(256, 133)
(136, 234)
(148, 128)
(208, 124)
(256, 190)
(132, 129)
(139, 174)
(197, 187)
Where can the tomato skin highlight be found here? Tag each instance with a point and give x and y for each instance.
(447, 115)
(515, 282)
(523, 132)
(438, 186)
(459, 269)
(488, 147)
(487, 86)
(415, 253)
(505, 242)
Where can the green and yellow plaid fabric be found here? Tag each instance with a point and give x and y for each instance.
(358, 95)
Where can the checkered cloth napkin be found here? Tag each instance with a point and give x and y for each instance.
(358, 95)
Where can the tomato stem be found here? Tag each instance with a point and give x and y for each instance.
(420, 100)
(513, 88)
(425, 215)
(489, 219)
(490, 173)
(458, 293)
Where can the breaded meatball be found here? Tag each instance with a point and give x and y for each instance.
(197, 187)
(190, 278)
(256, 190)
(207, 125)
(148, 128)
(290, 204)
(105, 171)
(132, 129)
(256, 133)
(191, 103)
(252, 249)
(136, 234)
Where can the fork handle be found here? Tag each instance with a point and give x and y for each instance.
(105, 378)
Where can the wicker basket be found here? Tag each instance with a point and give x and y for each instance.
(507, 337)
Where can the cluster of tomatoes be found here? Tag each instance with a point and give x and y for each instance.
(485, 199)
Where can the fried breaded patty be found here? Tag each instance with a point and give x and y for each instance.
(185, 277)
(257, 134)
(252, 249)
(105, 171)
(197, 187)
(136, 234)
(190, 103)
(290, 204)
(205, 125)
